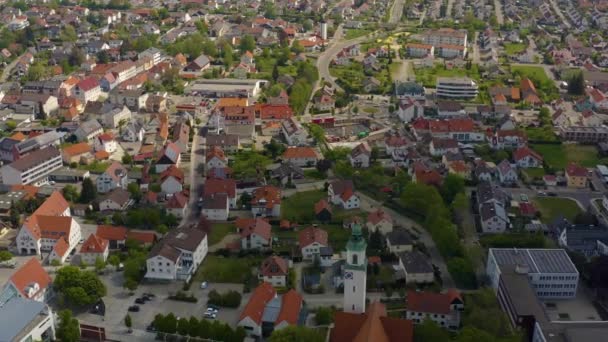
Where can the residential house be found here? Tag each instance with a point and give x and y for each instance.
(493, 217)
(200, 64)
(88, 130)
(266, 201)
(441, 146)
(576, 176)
(506, 173)
(229, 143)
(301, 156)
(177, 204)
(445, 309)
(293, 132)
(178, 255)
(529, 93)
(216, 186)
(116, 116)
(256, 233)
(450, 109)
(117, 199)
(323, 211)
(216, 207)
(215, 158)
(170, 156)
(172, 180)
(423, 174)
(399, 240)
(310, 242)
(416, 267)
(409, 109)
(76, 153)
(105, 142)
(360, 156)
(286, 172)
(94, 248)
(411, 90)
(525, 157)
(380, 220)
(115, 176)
(32, 168)
(87, 90)
(274, 270)
(342, 193)
(133, 132)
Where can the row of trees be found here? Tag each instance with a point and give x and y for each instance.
(193, 327)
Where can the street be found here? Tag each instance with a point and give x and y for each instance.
(396, 11)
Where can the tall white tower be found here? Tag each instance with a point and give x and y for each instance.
(323, 29)
(355, 272)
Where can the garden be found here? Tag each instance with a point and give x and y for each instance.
(552, 208)
(219, 269)
(558, 156)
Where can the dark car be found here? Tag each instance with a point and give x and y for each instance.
(151, 295)
(552, 194)
(140, 301)
(134, 308)
(151, 328)
(212, 306)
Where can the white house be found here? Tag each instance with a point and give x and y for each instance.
(445, 309)
(342, 193)
(416, 267)
(133, 132)
(114, 177)
(293, 132)
(408, 109)
(441, 146)
(60, 252)
(274, 270)
(171, 155)
(30, 281)
(506, 173)
(266, 201)
(172, 180)
(380, 220)
(310, 242)
(493, 218)
(117, 199)
(215, 158)
(116, 116)
(106, 142)
(256, 233)
(87, 90)
(93, 248)
(216, 207)
(178, 255)
(301, 156)
(177, 204)
(525, 157)
(360, 155)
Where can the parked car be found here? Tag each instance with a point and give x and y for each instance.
(212, 310)
(552, 194)
(134, 308)
(204, 285)
(212, 306)
(151, 328)
(140, 301)
(210, 315)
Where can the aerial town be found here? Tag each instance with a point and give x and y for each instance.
(316, 170)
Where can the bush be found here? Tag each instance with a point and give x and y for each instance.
(183, 297)
(230, 299)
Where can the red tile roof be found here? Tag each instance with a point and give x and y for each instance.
(53, 206)
(523, 152)
(113, 233)
(28, 274)
(257, 302)
(88, 84)
(172, 171)
(61, 247)
(311, 235)
(431, 302)
(143, 237)
(575, 170)
(215, 151)
(258, 226)
(372, 326)
(178, 201)
(291, 304)
(274, 266)
(267, 196)
(94, 244)
(220, 186)
(299, 152)
(377, 216)
(321, 205)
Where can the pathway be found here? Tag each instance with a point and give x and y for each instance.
(500, 19)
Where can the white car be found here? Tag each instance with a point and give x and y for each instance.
(204, 285)
(210, 315)
(211, 311)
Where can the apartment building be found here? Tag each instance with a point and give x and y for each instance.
(33, 168)
(456, 87)
(442, 308)
(445, 36)
(550, 271)
(584, 134)
(26, 320)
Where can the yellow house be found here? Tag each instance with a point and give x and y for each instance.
(576, 176)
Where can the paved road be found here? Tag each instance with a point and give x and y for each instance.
(500, 19)
(476, 57)
(196, 178)
(369, 204)
(396, 12)
(448, 9)
(9, 68)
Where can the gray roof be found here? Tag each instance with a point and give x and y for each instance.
(491, 210)
(222, 140)
(416, 262)
(35, 158)
(399, 237)
(16, 315)
(537, 260)
(487, 191)
(579, 235)
(6, 144)
(90, 126)
(272, 310)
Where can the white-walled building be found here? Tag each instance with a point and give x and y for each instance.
(23, 320)
(274, 270)
(442, 308)
(30, 282)
(355, 272)
(310, 242)
(114, 177)
(342, 193)
(94, 247)
(32, 168)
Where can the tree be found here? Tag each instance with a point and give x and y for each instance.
(430, 331)
(103, 57)
(247, 43)
(576, 83)
(70, 193)
(323, 165)
(114, 260)
(130, 284)
(162, 229)
(76, 57)
(318, 133)
(452, 185)
(128, 321)
(5, 255)
(296, 334)
(89, 191)
(68, 329)
(324, 316)
(68, 34)
(14, 216)
(99, 264)
(79, 287)
(274, 148)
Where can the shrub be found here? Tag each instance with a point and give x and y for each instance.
(230, 299)
(183, 297)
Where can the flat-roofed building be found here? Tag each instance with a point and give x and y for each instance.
(584, 134)
(456, 87)
(26, 320)
(227, 87)
(32, 168)
(551, 272)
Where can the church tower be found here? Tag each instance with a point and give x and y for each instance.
(355, 272)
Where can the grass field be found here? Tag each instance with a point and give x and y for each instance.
(514, 48)
(534, 72)
(218, 231)
(558, 156)
(535, 172)
(300, 208)
(336, 234)
(552, 208)
(226, 270)
(354, 33)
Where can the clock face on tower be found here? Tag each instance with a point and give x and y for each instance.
(348, 275)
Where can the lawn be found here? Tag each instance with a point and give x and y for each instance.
(514, 48)
(552, 208)
(545, 85)
(219, 231)
(355, 33)
(535, 172)
(534, 72)
(95, 167)
(225, 270)
(541, 133)
(558, 156)
(300, 208)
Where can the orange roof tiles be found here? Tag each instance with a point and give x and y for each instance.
(291, 304)
(30, 273)
(61, 247)
(311, 235)
(94, 244)
(267, 195)
(231, 102)
(172, 171)
(373, 325)
(431, 302)
(115, 233)
(575, 170)
(77, 149)
(142, 237)
(274, 266)
(299, 152)
(18, 136)
(322, 205)
(53, 206)
(257, 302)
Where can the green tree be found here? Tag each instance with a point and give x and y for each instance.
(128, 321)
(324, 316)
(78, 287)
(576, 83)
(318, 133)
(14, 216)
(130, 284)
(76, 57)
(5, 255)
(68, 329)
(70, 193)
(88, 192)
(452, 185)
(135, 192)
(103, 57)
(114, 260)
(274, 148)
(99, 264)
(247, 44)
(296, 334)
(430, 331)
(162, 229)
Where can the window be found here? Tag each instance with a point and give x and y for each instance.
(354, 288)
(355, 259)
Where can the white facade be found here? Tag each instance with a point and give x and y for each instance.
(35, 175)
(106, 183)
(456, 88)
(216, 162)
(171, 185)
(417, 277)
(355, 281)
(109, 146)
(216, 214)
(159, 267)
(254, 241)
(264, 212)
(309, 252)
(275, 281)
(361, 160)
(529, 161)
(90, 258)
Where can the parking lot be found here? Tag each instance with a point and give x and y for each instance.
(118, 300)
